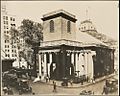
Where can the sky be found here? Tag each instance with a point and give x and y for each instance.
(103, 14)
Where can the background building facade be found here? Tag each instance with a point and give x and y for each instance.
(8, 48)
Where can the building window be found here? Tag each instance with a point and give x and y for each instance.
(51, 26)
(4, 22)
(3, 17)
(8, 55)
(7, 22)
(84, 27)
(4, 27)
(5, 55)
(7, 27)
(6, 17)
(68, 26)
(13, 19)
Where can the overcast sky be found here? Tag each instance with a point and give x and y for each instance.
(104, 14)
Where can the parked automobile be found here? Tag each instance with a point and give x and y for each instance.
(79, 79)
(10, 79)
(84, 92)
(21, 85)
(24, 87)
(65, 81)
(112, 85)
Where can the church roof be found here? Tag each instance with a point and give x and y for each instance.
(88, 39)
(82, 40)
(58, 13)
(86, 21)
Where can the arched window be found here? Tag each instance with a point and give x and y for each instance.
(68, 26)
(51, 26)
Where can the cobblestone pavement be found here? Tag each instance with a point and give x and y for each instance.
(40, 88)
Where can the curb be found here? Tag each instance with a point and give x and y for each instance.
(82, 86)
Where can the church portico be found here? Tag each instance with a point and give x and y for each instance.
(60, 63)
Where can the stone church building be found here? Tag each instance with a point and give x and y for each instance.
(68, 52)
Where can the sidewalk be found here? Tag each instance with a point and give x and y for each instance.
(77, 85)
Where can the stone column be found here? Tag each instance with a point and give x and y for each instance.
(72, 58)
(50, 58)
(57, 65)
(82, 63)
(86, 64)
(45, 63)
(79, 62)
(64, 63)
(40, 65)
(92, 66)
(76, 65)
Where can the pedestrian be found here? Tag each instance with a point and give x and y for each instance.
(82, 80)
(54, 86)
(33, 93)
(40, 78)
(94, 79)
(107, 83)
(46, 79)
(71, 82)
(87, 79)
(105, 90)
(29, 73)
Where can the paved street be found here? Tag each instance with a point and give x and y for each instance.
(40, 88)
